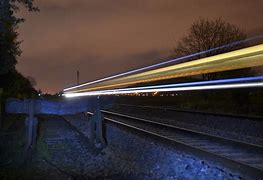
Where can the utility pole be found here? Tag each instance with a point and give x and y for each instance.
(77, 78)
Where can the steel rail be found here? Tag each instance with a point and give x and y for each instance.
(179, 128)
(170, 108)
(245, 156)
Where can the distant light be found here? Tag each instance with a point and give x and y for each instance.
(155, 93)
(39, 94)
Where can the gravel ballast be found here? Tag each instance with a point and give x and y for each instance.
(131, 156)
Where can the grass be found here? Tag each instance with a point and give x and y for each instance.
(11, 147)
(9, 121)
(12, 139)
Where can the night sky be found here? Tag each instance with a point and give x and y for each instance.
(104, 37)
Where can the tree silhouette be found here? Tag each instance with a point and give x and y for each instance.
(16, 85)
(9, 44)
(13, 83)
(206, 34)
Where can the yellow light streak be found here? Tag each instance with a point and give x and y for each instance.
(243, 58)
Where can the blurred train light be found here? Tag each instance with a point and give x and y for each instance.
(155, 93)
(170, 89)
(251, 57)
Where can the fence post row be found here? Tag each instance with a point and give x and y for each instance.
(31, 130)
(97, 130)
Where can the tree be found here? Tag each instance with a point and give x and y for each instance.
(32, 81)
(206, 34)
(9, 44)
(13, 83)
(17, 86)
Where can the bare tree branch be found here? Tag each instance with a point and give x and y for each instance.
(206, 34)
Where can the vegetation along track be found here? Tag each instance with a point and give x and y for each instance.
(246, 157)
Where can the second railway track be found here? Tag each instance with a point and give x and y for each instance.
(244, 156)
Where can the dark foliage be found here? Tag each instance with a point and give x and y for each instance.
(9, 48)
(16, 85)
(9, 45)
(13, 83)
(206, 34)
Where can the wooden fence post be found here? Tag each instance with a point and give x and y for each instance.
(31, 131)
(99, 124)
(97, 130)
(92, 128)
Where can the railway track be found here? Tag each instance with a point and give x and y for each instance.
(169, 108)
(239, 128)
(246, 157)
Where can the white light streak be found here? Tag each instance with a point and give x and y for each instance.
(205, 87)
(210, 82)
(162, 63)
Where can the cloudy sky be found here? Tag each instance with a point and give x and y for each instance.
(104, 37)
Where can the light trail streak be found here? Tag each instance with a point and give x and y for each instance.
(163, 63)
(168, 89)
(221, 81)
(244, 58)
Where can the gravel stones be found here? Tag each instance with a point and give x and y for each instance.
(134, 157)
